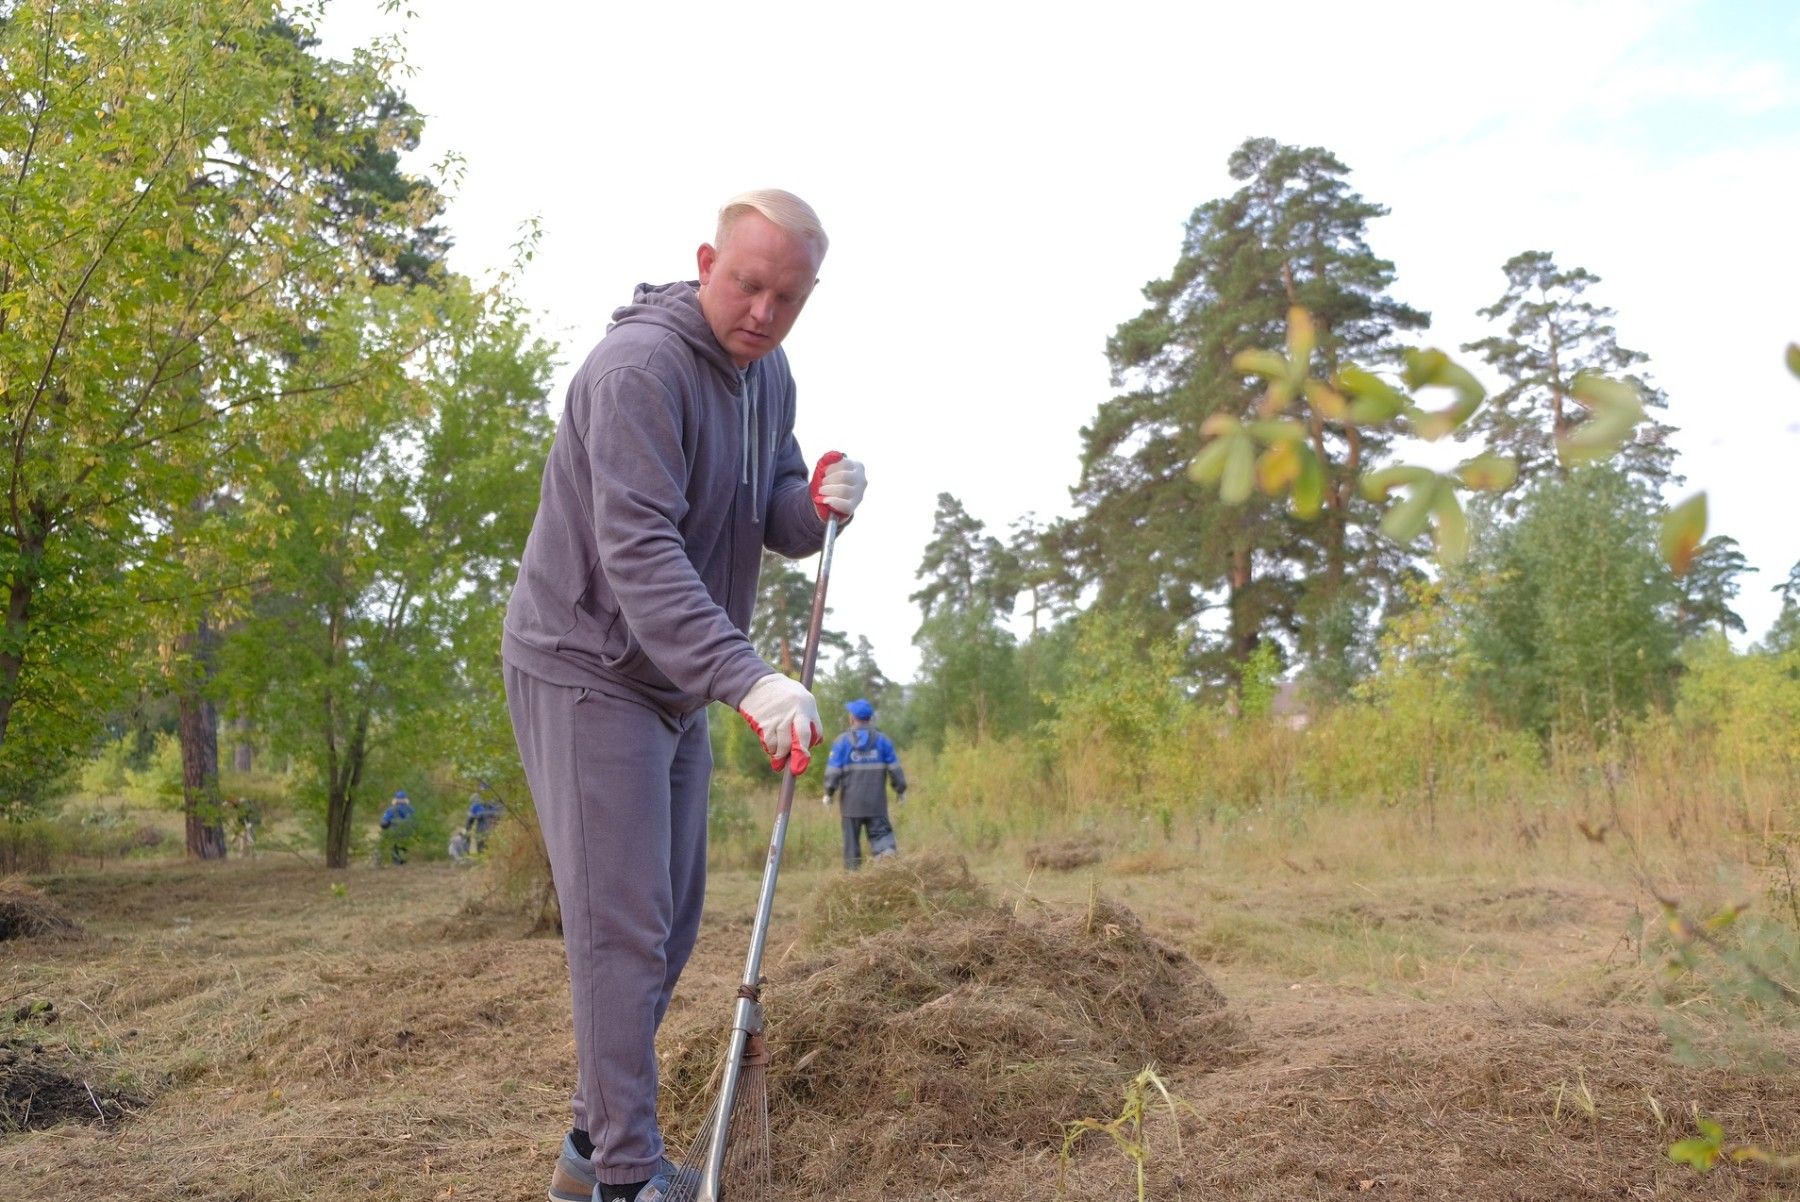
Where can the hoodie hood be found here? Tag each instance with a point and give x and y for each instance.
(676, 308)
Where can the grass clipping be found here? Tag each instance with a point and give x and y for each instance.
(25, 913)
(931, 1029)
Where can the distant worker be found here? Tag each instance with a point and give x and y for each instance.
(396, 825)
(862, 763)
(482, 816)
(242, 818)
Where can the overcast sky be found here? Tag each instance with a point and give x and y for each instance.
(999, 184)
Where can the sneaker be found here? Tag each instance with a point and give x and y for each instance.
(573, 1180)
(672, 1183)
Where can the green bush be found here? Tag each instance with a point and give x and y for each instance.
(1746, 707)
(158, 782)
(47, 843)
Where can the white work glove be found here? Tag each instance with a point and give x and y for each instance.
(786, 718)
(837, 485)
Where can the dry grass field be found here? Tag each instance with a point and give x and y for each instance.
(1351, 1006)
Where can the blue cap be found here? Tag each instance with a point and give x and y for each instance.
(861, 709)
(399, 794)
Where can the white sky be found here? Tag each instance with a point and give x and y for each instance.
(1000, 182)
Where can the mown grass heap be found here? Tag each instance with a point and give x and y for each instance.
(25, 913)
(931, 1028)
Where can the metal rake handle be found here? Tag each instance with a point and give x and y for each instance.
(745, 1015)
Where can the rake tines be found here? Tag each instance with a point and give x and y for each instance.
(731, 1161)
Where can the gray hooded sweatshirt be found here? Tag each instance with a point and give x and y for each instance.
(670, 472)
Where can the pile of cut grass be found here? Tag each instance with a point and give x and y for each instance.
(1061, 855)
(890, 893)
(933, 1029)
(25, 913)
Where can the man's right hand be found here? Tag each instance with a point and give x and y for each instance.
(786, 718)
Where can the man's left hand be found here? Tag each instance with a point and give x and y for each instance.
(837, 485)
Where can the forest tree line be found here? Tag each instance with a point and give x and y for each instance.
(271, 465)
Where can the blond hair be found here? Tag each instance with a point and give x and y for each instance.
(784, 209)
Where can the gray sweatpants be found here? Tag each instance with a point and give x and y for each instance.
(620, 790)
(881, 837)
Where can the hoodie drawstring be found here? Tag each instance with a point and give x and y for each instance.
(751, 470)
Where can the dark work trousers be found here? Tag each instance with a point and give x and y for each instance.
(620, 789)
(881, 838)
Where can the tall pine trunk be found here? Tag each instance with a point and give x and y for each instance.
(198, 720)
(1244, 626)
(200, 776)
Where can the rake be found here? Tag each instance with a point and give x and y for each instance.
(729, 1158)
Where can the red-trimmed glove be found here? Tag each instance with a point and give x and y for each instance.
(786, 718)
(837, 485)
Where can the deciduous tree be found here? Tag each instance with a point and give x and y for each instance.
(166, 259)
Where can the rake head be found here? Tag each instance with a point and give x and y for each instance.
(740, 1150)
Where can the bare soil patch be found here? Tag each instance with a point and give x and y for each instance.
(41, 1089)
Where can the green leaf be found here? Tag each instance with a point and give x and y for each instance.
(1302, 336)
(1278, 468)
(1239, 478)
(1375, 401)
(1266, 364)
(1421, 367)
(1364, 383)
(1375, 411)
(1452, 528)
(1683, 530)
(1218, 425)
(1602, 393)
(1329, 402)
(1435, 369)
(1209, 464)
(1793, 357)
(1615, 409)
(1702, 1151)
(1276, 431)
(1378, 484)
(1407, 520)
(1309, 490)
(1279, 396)
(1696, 1153)
(1489, 473)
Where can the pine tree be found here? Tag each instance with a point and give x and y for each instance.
(968, 672)
(1708, 587)
(1149, 540)
(1784, 634)
(1553, 335)
(778, 628)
